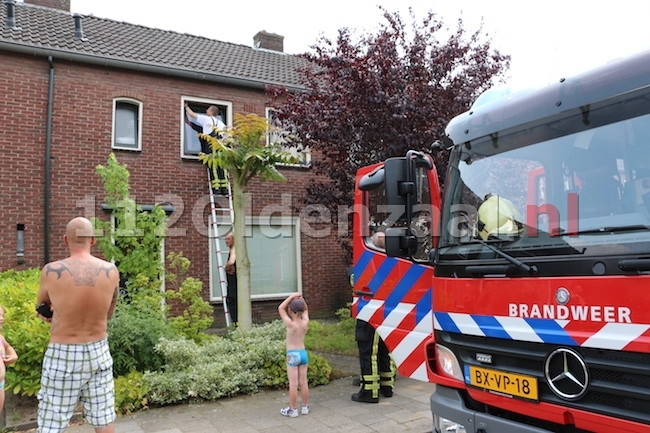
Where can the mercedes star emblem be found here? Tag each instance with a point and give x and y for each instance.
(562, 296)
(567, 374)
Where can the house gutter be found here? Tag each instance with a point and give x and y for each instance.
(48, 165)
(140, 67)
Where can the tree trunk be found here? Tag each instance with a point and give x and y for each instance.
(244, 306)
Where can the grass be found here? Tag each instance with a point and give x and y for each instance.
(333, 337)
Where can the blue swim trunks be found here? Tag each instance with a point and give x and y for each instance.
(296, 357)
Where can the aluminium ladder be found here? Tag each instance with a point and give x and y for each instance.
(221, 269)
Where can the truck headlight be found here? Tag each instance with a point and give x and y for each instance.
(444, 425)
(448, 362)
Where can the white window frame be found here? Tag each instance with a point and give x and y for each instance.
(215, 288)
(218, 102)
(139, 105)
(304, 155)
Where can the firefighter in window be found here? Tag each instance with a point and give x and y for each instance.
(377, 367)
(498, 218)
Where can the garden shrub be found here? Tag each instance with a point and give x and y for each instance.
(132, 239)
(197, 313)
(240, 363)
(218, 368)
(336, 338)
(130, 393)
(132, 336)
(27, 333)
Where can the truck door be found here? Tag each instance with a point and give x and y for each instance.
(394, 294)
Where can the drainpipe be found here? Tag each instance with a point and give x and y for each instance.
(48, 151)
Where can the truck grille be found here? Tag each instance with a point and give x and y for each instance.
(619, 381)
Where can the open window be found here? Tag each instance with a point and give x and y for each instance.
(190, 144)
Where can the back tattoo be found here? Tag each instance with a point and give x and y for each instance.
(83, 273)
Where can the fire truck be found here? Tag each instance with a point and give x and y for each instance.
(523, 289)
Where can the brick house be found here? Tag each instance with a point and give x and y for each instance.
(76, 88)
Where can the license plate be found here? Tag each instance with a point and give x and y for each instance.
(501, 382)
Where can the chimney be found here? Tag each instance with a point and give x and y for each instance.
(63, 5)
(11, 15)
(268, 41)
(78, 29)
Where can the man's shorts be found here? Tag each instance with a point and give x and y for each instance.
(73, 373)
(296, 357)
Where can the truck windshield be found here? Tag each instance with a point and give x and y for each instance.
(578, 183)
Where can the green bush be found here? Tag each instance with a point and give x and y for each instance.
(319, 371)
(28, 334)
(132, 336)
(197, 314)
(333, 337)
(133, 239)
(218, 368)
(240, 363)
(268, 341)
(130, 393)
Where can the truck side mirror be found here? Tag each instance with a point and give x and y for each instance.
(399, 242)
(401, 190)
(372, 180)
(397, 188)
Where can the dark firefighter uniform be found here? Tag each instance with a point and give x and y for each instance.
(219, 187)
(377, 367)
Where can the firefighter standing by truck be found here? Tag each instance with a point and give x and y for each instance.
(377, 368)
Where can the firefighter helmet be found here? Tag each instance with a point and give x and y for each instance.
(497, 217)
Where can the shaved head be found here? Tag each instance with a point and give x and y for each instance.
(79, 231)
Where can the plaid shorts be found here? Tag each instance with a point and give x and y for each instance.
(73, 373)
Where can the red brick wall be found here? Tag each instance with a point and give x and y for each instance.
(81, 139)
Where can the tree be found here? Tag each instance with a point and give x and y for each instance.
(381, 96)
(134, 243)
(244, 153)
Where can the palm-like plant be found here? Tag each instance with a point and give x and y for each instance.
(244, 153)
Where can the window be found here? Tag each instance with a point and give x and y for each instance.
(127, 124)
(275, 136)
(274, 253)
(190, 144)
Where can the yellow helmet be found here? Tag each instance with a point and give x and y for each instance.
(497, 216)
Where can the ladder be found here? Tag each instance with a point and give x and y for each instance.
(216, 235)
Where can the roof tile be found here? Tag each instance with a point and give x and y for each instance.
(54, 29)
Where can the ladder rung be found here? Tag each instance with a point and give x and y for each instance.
(224, 208)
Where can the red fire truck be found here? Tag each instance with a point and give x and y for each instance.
(524, 293)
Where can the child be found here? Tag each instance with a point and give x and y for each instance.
(8, 356)
(293, 312)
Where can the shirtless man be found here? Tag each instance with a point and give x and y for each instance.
(293, 312)
(82, 292)
(231, 277)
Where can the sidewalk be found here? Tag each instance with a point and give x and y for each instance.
(331, 411)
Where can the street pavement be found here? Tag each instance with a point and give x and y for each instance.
(331, 411)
